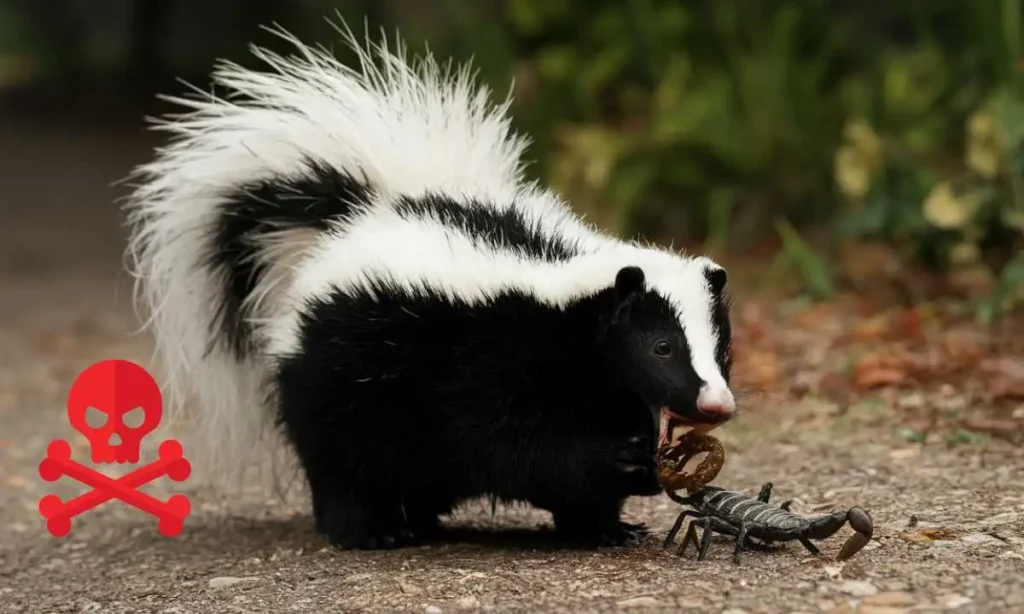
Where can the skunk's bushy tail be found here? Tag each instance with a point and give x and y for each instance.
(253, 176)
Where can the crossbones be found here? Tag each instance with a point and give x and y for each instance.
(58, 462)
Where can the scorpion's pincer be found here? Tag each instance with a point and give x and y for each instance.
(861, 522)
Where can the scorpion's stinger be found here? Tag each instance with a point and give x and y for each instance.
(861, 522)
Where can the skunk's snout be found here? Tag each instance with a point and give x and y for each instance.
(717, 404)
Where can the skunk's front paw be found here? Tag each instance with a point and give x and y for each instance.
(636, 468)
(375, 541)
(624, 534)
(351, 526)
(598, 527)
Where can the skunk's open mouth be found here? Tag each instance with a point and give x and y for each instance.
(670, 420)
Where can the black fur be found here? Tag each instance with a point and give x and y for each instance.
(399, 407)
(720, 308)
(507, 229)
(311, 201)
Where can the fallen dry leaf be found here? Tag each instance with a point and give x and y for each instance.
(908, 323)
(924, 536)
(869, 378)
(883, 369)
(870, 329)
(758, 369)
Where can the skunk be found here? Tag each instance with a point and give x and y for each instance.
(352, 261)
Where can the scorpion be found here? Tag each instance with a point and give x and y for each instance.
(732, 513)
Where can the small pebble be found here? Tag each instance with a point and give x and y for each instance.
(223, 581)
(468, 603)
(881, 609)
(638, 602)
(857, 588)
(890, 598)
(954, 600)
(432, 609)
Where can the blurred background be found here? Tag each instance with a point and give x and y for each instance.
(863, 158)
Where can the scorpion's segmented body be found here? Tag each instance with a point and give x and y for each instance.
(738, 514)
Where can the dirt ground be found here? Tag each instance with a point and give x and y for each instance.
(948, 511)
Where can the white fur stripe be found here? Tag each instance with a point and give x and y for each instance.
(383, 245)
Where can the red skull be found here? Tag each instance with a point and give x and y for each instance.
(113, 390)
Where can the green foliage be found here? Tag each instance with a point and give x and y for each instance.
(684, 122)
(814, 269)
(711, 120)
(933, 155)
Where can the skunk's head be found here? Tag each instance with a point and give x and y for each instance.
(646, 349)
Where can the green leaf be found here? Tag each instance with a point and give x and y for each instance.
(815, 272)
(631, 179)
(1013, 275)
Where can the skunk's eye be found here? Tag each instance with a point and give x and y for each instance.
(662, 349)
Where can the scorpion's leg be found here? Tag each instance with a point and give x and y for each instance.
(678, 525)
(785, 505)
(710, 524)
(807, 544)
(691, 536)
(740, 538)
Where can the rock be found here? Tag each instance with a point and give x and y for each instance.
(468, 603)
(980, 538)
(911, 401)
(953, 600)
(638, 602)
(432, 609)
(890, 598)
(881, 609)
(905, 453)
(734, 611)
(224, 581)
(857, 588)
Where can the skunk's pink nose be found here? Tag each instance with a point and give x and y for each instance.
(717, 403)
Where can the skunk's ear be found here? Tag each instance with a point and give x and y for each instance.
(717, 278)
(629, 282)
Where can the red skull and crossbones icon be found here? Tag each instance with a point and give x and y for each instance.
(113, 389)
